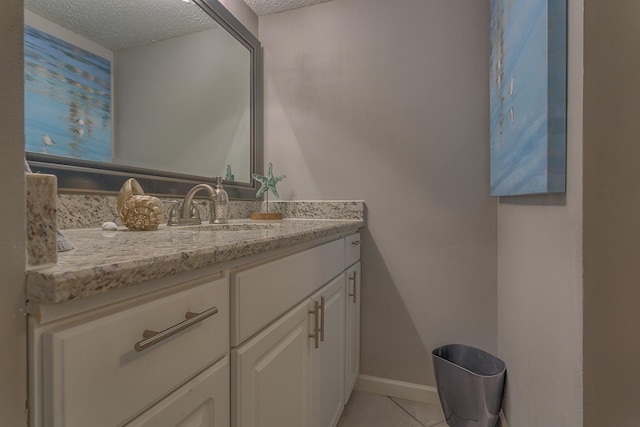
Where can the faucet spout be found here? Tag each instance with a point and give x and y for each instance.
(185, 211)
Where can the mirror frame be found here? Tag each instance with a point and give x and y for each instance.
(82, 176)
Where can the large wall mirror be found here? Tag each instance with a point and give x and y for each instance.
(166, 91)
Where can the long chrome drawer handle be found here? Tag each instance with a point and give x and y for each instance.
(322, 319)
(354, 286)
(154, 337)
(356, 243)
(315, 335)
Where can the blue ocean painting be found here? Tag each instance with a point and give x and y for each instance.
(528, 97)
(67, 99)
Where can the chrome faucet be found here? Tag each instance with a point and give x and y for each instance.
(186, 216)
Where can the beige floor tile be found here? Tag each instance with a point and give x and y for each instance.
(372, 410)
(428, 415)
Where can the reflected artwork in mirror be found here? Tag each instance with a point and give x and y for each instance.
(168, 93)
(67, 93)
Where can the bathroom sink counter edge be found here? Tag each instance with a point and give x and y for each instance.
(107, 260)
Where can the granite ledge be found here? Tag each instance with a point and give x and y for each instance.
(104, 261)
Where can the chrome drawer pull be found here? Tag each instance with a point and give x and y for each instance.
(356, 243)
(154, 337)
(322, 319)
(315, 335)
(354, 286)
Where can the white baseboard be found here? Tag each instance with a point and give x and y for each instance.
(405, 390)
(503, 420)
(399, 389)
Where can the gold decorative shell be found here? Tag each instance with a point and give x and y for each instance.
(137, 211)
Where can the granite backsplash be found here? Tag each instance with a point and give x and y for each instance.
(90, 211)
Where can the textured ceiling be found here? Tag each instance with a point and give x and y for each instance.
(267, 7)
(118, 24)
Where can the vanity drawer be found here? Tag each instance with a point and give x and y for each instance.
(203, 401)
(351, 249)
(262, 294)
(93, 375)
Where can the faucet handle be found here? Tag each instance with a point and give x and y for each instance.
(173, 208)
(195, 205)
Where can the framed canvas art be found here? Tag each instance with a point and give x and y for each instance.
(67, 99)
(528, 96)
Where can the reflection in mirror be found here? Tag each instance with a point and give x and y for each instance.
(140, 88)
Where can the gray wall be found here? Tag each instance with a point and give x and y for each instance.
(540, 282)
(611, 214)
(13, 356)
(387, 101)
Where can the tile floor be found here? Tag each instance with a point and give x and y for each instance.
(373, 410)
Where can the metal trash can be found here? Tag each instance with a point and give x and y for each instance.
(470, 385)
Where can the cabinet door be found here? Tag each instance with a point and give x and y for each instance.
(273, 373)
(353, 328)
(329, 357)
(202, 402)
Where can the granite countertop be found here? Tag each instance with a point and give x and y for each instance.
(106, 260)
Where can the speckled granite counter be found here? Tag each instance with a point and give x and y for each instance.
(111, 260)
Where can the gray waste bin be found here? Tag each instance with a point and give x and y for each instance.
(470, 385)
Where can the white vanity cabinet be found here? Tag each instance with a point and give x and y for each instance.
(289, 357)
(272, 342)
(105, 370)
